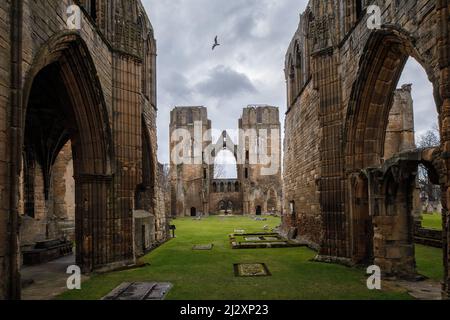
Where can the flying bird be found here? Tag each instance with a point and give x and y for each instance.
(216, 43)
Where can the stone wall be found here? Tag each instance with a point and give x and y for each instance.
(190, 178)
(5, 59)
(400, 131)
(108, 71)
(192, 184)
(302, 169)
(344, 74)
(225, 198)
(260, 178)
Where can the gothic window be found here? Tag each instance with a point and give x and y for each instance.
(93, 9)
(292, 207)
(359, 9)
(259, 115)
(222, 187)
(246, 173)
(236, 186)
(298, 69)
(291, 81)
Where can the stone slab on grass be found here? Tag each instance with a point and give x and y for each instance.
(251, 270)
(136, 291)
(202, 247)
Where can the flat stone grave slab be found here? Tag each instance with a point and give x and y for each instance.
(202, 247)
(251, 270)
(253, 238)
(135, 291)
(260, 240)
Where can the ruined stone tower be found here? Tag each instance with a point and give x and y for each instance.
(190, 177)
(260, 167)
(257, 188)
(400, 130)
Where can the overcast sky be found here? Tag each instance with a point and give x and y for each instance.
(248, 66)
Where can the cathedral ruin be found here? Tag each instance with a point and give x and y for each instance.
(345, 193)
(195, 190)
(78, 133)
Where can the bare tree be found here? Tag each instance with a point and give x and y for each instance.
(430, 139)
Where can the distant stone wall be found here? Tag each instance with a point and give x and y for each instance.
(428, 237)
(162, 204)
(400, 131)
(192, 185)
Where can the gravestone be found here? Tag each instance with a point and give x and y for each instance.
(251, 270)
(201, 247)
(135, 291)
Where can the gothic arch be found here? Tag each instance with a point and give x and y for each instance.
(381, 65)
(64, 71)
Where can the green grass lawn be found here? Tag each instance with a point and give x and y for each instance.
(430, 262)
(204, 275)
(432, 221)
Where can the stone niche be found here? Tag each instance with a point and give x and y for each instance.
(144, 231)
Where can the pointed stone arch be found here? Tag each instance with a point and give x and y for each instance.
(64, 70)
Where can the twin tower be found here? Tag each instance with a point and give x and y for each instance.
(196, 190)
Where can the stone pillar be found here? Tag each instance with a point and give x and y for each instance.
(393, 223)
(97, 231)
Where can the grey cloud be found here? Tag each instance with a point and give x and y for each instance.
(254, 36)
(223, 81)
(176, 86)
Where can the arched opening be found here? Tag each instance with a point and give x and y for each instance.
(225, 165)
(145, 191)
(362, 226)
(230, 207)
(298, 68)
(372, 145)
(258, 210)
(359, 9)
(93, 9)
(66, 151)
(193, 212)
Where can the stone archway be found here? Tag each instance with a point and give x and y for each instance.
(273, 202)
(370, 102)
(145, 194)
(361, 220)
(63, 101)
(371, 99)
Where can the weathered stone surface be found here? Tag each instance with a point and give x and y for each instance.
(94, 87)
(139, 291)
(341, 80)
(195, 190)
